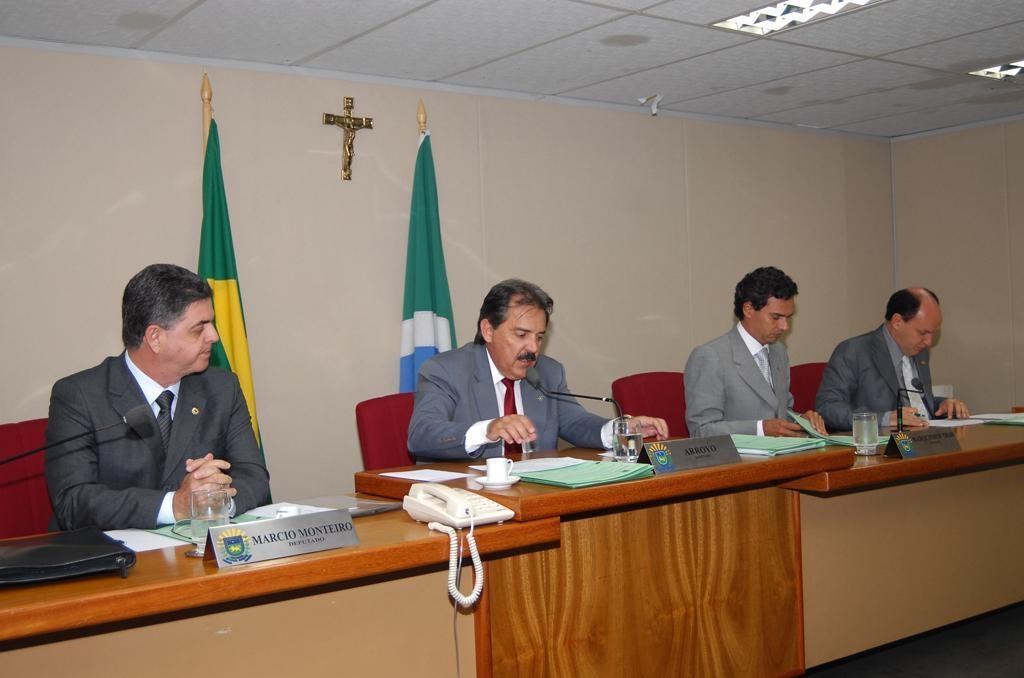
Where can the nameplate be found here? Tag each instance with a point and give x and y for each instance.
(921, 443)
(689, 453)
(260, 540)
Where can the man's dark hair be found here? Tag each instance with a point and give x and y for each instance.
(158, 295)
(505, 295)
(760, 284)
(906, 303)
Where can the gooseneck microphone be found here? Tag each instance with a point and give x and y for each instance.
(533, 379)
(918, 388)
(138, 419)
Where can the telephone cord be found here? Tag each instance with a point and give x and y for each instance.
(453, 565)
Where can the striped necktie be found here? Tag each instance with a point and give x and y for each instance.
(163, 418)
(761, 358)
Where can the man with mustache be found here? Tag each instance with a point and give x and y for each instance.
(474, 401)
(739, 382)
(201, 435)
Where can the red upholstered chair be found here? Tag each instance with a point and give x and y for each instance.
(656, 394)
(24, 501)
(383, 425)
(804, 381)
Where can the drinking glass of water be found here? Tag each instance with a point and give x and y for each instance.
(627, 439)
(865, 432)
(209, 508)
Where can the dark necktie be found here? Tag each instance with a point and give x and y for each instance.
(510, 408)
(163, 418)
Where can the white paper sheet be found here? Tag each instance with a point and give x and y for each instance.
(530, 465)
(427, 475)
(143, 540)
(950, 423)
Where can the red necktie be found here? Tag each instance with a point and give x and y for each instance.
(510, 408)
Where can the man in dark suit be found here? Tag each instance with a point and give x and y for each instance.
(117, 479)
(739, 382)
(474, 401)
(866, 372)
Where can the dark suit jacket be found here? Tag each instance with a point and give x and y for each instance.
(114, 479)
(860, 377)
(726, 392)
(455, 391)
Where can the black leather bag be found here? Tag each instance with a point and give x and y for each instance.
(62, 554)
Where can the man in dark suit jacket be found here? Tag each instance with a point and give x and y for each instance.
(866, 372)
(727, 390)
(464, 405)
(120, 478)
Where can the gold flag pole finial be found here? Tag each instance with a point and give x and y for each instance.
(206, 94)
(421, 116)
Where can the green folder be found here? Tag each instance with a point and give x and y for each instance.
(769, 446)
(845, 441)
(589, 473)
(1011, 421)
(181, 530)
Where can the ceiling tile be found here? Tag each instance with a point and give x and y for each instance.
(969, 52)
(705, 12)
(838, 82)
(110, 23)
(272, 32)
(900, 24)
(919, 96)
(726, 69)
(934, 119)
(451, 36)
(598, 54)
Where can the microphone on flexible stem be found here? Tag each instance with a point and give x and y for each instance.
(533, 379)
(916, 383)
(137, 419)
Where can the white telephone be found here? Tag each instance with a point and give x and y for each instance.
(451, 506)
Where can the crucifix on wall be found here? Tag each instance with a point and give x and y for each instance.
(349, 125)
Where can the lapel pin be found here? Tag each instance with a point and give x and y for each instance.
(195, 410)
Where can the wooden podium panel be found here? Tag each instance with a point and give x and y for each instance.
(702, 587)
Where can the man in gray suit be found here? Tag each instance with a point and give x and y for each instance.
(121, 478)
(739, 382)
(866, 372)
(474, 401)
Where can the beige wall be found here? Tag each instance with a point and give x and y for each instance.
(960, 231)
(638, 226)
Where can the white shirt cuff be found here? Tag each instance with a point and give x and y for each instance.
(476, 436)
(166, 514)
(606, 434)
(760, 428)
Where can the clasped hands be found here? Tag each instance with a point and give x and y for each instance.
(516, 428)
(791, 429)
(205, 473)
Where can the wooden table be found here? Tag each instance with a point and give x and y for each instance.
(685, 574)
(304, 615)
(895, 547)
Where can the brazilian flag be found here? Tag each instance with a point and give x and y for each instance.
(217, 266)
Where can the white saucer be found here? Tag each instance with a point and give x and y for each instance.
(500, 485)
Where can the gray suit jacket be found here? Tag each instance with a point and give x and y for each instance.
(114, 479)
(860, 377)
(455, 391)
(726, 392)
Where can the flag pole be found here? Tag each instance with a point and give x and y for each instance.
(206, 94)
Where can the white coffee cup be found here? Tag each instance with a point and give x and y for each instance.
(498, 469)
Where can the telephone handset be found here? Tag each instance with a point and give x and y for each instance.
(453, 506)
(448, 507)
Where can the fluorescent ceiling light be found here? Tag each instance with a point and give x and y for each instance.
(1001, 71)
(787, 15)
